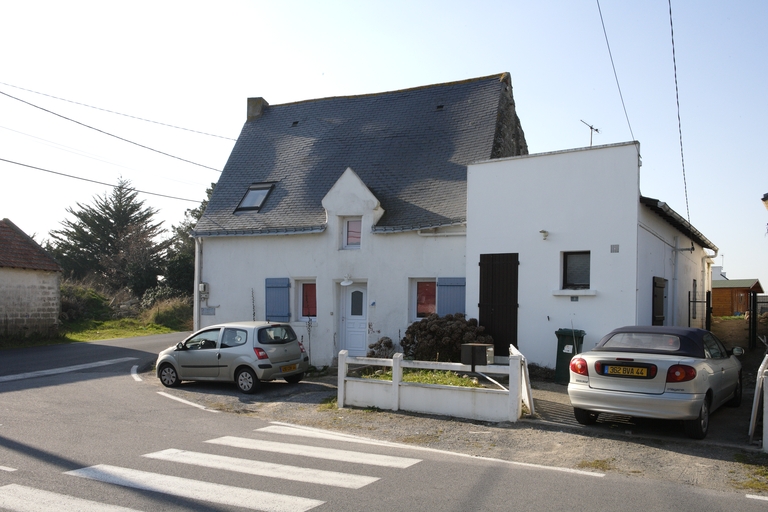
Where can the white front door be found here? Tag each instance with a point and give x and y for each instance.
(355, 320)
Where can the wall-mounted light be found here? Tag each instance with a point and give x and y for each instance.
(544, 234)
(347, 280)
(765, 201)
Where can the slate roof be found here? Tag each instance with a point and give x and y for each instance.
(17, 250)
(410, 148)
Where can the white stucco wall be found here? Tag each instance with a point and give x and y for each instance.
(235, 269)
(587, 200)
(664, 253)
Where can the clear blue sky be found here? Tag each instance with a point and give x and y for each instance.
(193, 64)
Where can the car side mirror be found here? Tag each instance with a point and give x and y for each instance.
(179, 346)
(737, 351)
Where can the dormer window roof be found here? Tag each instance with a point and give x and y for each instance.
(255, 196)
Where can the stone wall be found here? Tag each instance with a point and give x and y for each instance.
(30, 302)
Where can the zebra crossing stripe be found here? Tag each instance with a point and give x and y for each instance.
(196, 489)
(312, 433)
(26, 499)
(268, 469)
(301, 450)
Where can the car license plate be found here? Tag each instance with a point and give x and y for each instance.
(288, 368)
(626, 371)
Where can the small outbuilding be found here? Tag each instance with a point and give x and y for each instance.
(30, 298)
(734, 296)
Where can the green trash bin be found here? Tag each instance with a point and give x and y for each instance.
(569, 343)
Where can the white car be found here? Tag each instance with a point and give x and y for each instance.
(242, 352)
(675, 373)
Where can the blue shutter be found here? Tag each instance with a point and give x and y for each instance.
(451, 295)
(278, 299)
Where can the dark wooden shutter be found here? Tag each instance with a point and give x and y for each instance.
(659, 290)
(278, 299)
(498, 299)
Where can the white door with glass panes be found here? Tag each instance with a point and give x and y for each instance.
(355, 320)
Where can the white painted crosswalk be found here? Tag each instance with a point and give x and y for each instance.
(268, 469)
(26, 499)
(316, 452)
(19, 498)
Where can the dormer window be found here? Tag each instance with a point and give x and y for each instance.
(255, 197)
(352, 233)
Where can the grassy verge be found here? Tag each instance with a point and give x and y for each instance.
(94, 330)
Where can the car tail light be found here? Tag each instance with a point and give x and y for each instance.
(680, 373)
(260, 354)
(301, 346)
(579, 366)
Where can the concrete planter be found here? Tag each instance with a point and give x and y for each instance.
(494, 405)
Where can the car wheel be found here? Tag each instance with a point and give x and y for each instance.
(697, 429)
(168, 376)
(736, 400)
(295, 378)
(246, 381)
(585, 417)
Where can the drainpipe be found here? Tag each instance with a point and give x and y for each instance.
(198, 279)
(674, 284)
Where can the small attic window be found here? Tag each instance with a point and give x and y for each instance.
(295, 123)
(440, 107)
(255, 197)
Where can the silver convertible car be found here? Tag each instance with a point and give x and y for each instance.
(675, 373)
(243, 352)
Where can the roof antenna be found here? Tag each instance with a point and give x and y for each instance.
(591, 130)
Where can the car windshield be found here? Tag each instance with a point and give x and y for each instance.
(276, 334)
(643, 341)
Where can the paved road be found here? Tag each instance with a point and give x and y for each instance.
(95, 438)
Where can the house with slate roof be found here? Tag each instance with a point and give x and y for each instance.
(565, 242)
(346, 216)
(29, 285)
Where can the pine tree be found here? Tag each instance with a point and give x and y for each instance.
(115, 238)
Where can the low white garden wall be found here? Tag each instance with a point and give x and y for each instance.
(471, 403)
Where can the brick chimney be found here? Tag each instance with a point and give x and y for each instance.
(256, 108)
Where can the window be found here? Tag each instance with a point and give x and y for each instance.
(308, 300)
(443, 296)
(576, 270)
(233, 338)
(352, 232)
(255, 196)
(203, 341)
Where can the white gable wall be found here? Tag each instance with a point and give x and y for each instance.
(236, 268)
(587, 201)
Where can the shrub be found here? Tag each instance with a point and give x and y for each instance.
(81, 302)
(175, 313)
(437, 338)
(384, 348)
(159, 293)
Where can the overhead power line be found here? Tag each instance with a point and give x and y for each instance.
(107, 133)
(615, 75)
(679, 123)
(117, 113)
(94, 181)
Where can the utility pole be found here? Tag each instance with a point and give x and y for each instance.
(592, 129)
